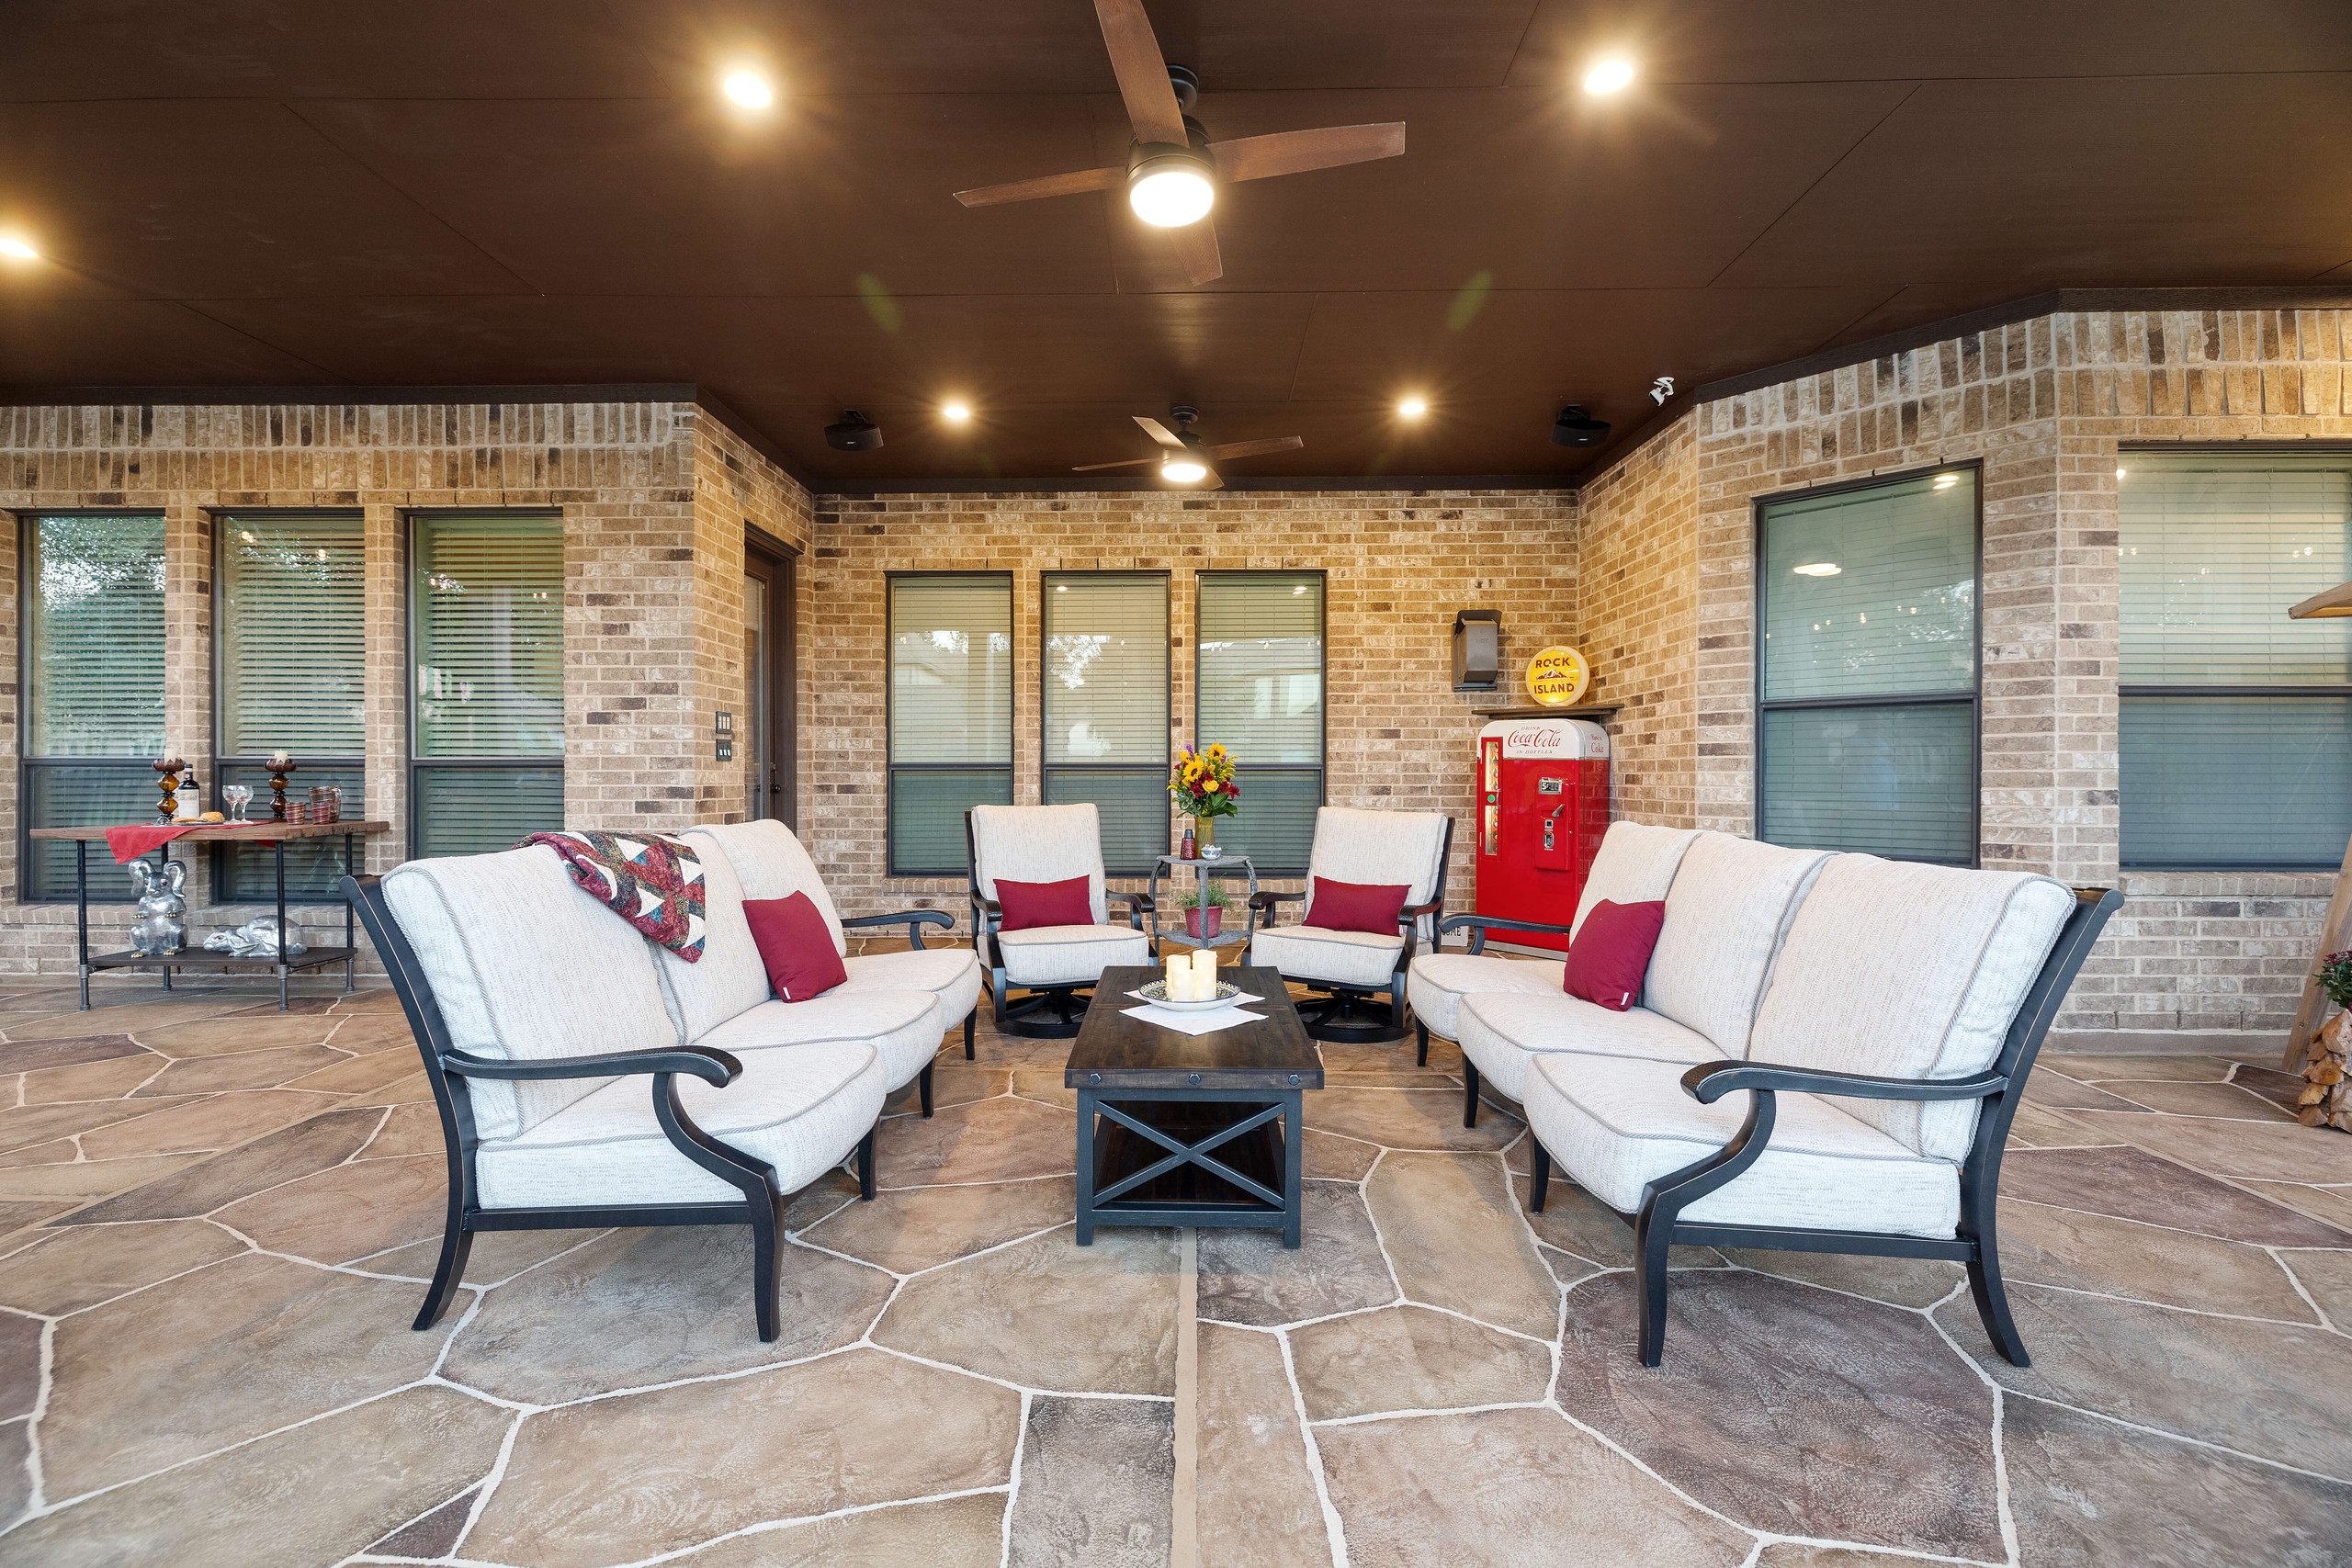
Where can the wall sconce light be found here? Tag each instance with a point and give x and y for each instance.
(1477, 650)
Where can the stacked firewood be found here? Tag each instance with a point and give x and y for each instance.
(2326, 1099)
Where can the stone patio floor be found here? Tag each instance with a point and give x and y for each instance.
(218, 1219)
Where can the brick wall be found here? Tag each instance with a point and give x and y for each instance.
(1398, 566)
(2043, 405)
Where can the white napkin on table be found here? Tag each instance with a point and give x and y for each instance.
(1196, 1022)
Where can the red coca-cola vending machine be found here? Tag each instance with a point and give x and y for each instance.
(1542, 806)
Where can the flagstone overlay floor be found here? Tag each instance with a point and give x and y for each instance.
(216, 1221)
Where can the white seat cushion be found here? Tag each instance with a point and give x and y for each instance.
(1730, 906)
(951, 974)
(729, 976)
(1040, 843)
(1436, 982)
(1616, 1125)
(1318, 952)
(1503, 1033)
(1070, 955)
(526, 965)
(1380, 849)
(1636, 865)
(1908, 971)
(904, 1027)
(801, 1111)
(770, 861)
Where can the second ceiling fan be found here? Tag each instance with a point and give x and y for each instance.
(1172, 170)
(1187, 459)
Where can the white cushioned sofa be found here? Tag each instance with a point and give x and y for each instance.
(586, 1077)
(1882, 1017)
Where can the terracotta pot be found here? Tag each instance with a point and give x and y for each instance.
(1203, 922)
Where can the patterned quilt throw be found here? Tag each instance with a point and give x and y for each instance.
(652, 881)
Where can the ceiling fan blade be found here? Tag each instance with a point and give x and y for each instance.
(1161, 434)
(1127, 463)
(1050, 184)
(1142, 71)
(1215, 482)
(1296, 152)
(1257, 448)
(1196, 248)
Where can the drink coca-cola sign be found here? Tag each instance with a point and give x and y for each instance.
(1567, 739)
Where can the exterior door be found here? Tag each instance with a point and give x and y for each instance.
(765, 738)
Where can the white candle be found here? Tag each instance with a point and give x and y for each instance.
(1204, 975)
(1180, 974)
(278, 759)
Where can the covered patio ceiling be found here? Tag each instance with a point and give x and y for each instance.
(451, 192)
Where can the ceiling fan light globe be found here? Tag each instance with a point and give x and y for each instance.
(1170, 197)
(1183, 470)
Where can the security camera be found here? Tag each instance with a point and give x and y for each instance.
(1661, 389)
(855, 432)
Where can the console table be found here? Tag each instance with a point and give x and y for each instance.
(262, 832)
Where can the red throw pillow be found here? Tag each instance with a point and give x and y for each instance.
(796, 946)
(1356, 907)
(1028, 904)
(1611, 952)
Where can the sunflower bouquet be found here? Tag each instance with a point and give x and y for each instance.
(1201, 783)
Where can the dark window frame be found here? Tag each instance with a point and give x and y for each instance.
(1045, 770)
(891, 767)
(28, 519)
(224, 856)
(1974, 697)
(410, 520)
(2126, 691)
(1322, 769)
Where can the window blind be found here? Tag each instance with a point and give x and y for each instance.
(2213, 550)
(93, 597)
(1869, 594)
(951, 713)
(487, 655)
(293, 645)
(1898, 614)
(1105, 707)
(1260, 693)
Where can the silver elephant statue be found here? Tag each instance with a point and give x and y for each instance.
(257, 938)
(159, 932)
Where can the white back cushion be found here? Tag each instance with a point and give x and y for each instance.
(1635, 865)
(770, 862)
(1908, 972)
(729, 978)
(1726, 914)
(1379, 849)
(1040, 843)
(526, 966)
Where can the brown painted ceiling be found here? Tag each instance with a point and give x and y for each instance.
(438, 192)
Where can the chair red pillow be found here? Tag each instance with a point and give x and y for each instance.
(1356, 906)
(1611, 952)
(796, 946)
(1028, 904)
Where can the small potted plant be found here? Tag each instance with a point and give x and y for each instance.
(1203, 787)
(1204, 911)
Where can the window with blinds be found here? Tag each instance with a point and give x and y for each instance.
(1259, 693)
(486, 694)
(1105, 708)
(289, 630)
(1867, 691)
(2236, 722)
(951, 713)
(92, 686)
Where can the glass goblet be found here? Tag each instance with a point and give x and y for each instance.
(234, 796)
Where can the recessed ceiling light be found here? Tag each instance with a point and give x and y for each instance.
(1945, 482)
(12, 246)
(1413, 408)
(1608, 77)
(957, 411)
(1183, 470)
(1817, 569)
(748, 90)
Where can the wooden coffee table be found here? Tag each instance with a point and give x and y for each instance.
(1178, 1129)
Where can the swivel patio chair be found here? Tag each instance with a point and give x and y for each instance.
(1056, 965)
(1361, 973)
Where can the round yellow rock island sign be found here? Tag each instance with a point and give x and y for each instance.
(1557, 677)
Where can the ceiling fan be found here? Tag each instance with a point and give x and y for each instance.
(1172, 170)
(1189, 460)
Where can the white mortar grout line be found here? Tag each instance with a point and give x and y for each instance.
(1333, 1531)
(488, 1484)
(1185, 1544)
(1012, 1487)
(2296, 1280)
(2181, 1438)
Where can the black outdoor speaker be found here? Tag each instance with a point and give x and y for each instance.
(1478, 649)
(1576, 428)
(855, 432)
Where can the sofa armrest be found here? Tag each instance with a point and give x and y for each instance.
(706, 1063)
(1710, 1081)
(1269, 898)
(913, 920)
(1138, 906)
(1479, 925)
